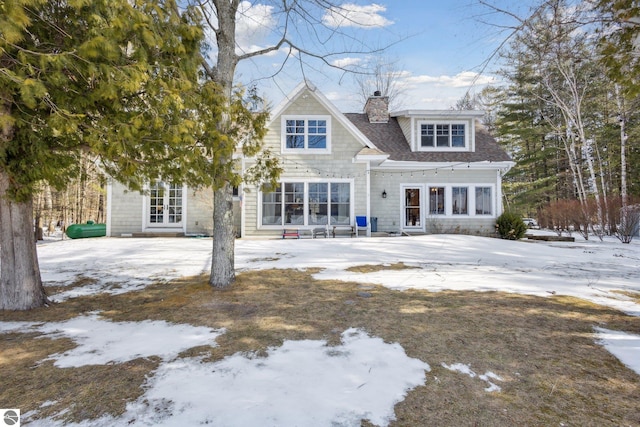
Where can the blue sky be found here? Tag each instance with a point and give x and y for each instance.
(439, 48)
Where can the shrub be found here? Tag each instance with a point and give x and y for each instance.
(510, 226)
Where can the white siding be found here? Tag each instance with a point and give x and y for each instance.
(335, 166)
(127, 210)
(389, 210)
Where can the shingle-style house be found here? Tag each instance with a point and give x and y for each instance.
(411, 171)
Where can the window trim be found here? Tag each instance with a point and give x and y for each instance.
(468, 129)
(306, 149)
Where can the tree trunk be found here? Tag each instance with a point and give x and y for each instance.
(20, 282)
(622, 121)
(222, 263)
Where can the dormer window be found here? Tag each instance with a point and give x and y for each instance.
(442, 135)
(306, 134)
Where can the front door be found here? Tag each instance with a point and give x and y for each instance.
(165, 205)
(412, 208)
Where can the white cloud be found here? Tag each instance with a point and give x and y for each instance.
(463, 79)
(353, 15)
(346, 62)
(254, 23)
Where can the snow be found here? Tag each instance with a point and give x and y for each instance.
(466, 370)
(309, 382)
(101, 341)
(626, 347)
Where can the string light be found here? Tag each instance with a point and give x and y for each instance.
(302, 165)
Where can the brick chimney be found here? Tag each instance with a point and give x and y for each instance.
(377, 108)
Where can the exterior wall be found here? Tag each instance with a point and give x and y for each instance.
(389, 213)
(405, 125)
(126, 209)
(336, 166)
(199, 212)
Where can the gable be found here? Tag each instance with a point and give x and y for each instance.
(306, 102)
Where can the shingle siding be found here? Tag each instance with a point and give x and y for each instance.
(335, 166)
(389, 213)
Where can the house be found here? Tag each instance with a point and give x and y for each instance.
(410, 171)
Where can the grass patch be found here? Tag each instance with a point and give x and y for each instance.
(543, 348)
(635, 296)
(372, 268)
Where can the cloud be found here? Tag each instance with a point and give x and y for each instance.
(346, 62)
(463, 79)
(353, 15)
(254, 23)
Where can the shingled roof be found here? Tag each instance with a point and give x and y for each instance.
(388, 137)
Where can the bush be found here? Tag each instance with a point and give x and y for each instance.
(510, 226)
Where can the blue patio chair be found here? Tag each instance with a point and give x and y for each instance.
(361, 222)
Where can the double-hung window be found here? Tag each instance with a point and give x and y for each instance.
(306, 134)
(442, 135)
(483, 201)
(436, 201)
(459, 201)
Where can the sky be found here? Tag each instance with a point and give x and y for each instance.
(440, 49)
(361, 378)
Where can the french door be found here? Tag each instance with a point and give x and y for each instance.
(165, 204)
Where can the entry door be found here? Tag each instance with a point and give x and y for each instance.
(165, 204)
(412, 209)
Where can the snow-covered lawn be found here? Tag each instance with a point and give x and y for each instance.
(308, 382)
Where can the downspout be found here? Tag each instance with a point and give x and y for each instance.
(368, 181)
(241, 197)
(109, 198)
(498, 193)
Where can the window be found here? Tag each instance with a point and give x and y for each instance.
(340, 195)
(315, 203)
(318, 203)
(483, 201)
(459, 201)
(442, 135)
(426, 138)
(306, 134)
(457, 135)
(272, 207)
(436, 200)
(294, 203)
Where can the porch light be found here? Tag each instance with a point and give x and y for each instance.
(384, 194)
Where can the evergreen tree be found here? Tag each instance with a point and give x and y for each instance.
(102, 79)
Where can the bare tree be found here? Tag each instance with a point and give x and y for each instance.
(380, 75)
(307, 32)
